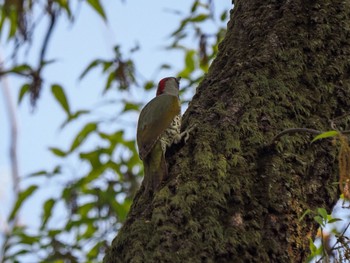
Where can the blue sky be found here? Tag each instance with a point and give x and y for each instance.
(74, 46)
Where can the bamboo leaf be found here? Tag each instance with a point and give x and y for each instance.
(324, 135)
(49, 204)
(82, 135)
(24, 90)
(23, 196)
(61, 98)
(95, 4)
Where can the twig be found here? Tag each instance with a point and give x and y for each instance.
(53, 15)
(336, 243)
(35, 87)
(295, 130)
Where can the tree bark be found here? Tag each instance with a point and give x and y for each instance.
(233, 195)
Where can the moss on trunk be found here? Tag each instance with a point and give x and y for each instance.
(232, 196)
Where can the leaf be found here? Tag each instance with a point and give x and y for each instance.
(190, 64)
(84, 209)
(73, 116)
(57, 152)
(199, 18)
(334, 220)
(21, 68)
(24, 90)
(322, 212)
(94, 251)
(40, 173)
(93, 64)
(128, 106)
(194, 6)
(325, 135)
(60, 96)
(189, 59)
(109, 82)
(149, 85)
(165, 66)
(304, 214)
(65, 6)
(21, 198)
(223, 16)
(56, 170)
(13, 17)
(89, 128)
(95, 4)
(319, 220)
(49, 204)
(312, 246)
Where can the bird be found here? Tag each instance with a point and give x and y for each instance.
(158, 127)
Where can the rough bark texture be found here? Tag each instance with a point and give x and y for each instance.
(231, 195)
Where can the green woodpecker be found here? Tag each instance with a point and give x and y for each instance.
(157, 129)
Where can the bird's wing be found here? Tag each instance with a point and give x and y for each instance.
(156, 116)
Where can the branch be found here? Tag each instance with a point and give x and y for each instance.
(295, 130)
(35, 87)
(11, 111)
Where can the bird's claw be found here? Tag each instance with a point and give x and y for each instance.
(186, 133)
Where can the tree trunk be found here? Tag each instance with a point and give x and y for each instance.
(232, 194)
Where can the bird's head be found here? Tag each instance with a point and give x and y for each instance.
(169, 85)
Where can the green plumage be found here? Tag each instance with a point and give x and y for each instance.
(154, 119)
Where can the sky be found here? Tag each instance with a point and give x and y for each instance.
(74, 46)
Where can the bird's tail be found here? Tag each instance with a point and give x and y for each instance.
(155, 167)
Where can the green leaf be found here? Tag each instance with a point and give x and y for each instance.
(21, 68)
(91, 66)
(13, 17)
(61, 98)
(312, 246)
(84, 209)
(223, 16)
(65, 6)
(199, 18)
(149, 85)
(190, 64)
(49, 204)
(24, 90)
(73, 117)
(82, 135)
(325, 135)
(189, 59)
(39, 173)
(319, 220)
(21, 198)
(109, 82)
(304, 214)
(57, 152)
(128, 106)
(194, 6)
(334, 220)
(322, 212)
(94, 251)
(56, 170)
(95, 4)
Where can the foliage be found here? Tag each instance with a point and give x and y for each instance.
(343, 159)
(327, 248)
(95, 200)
